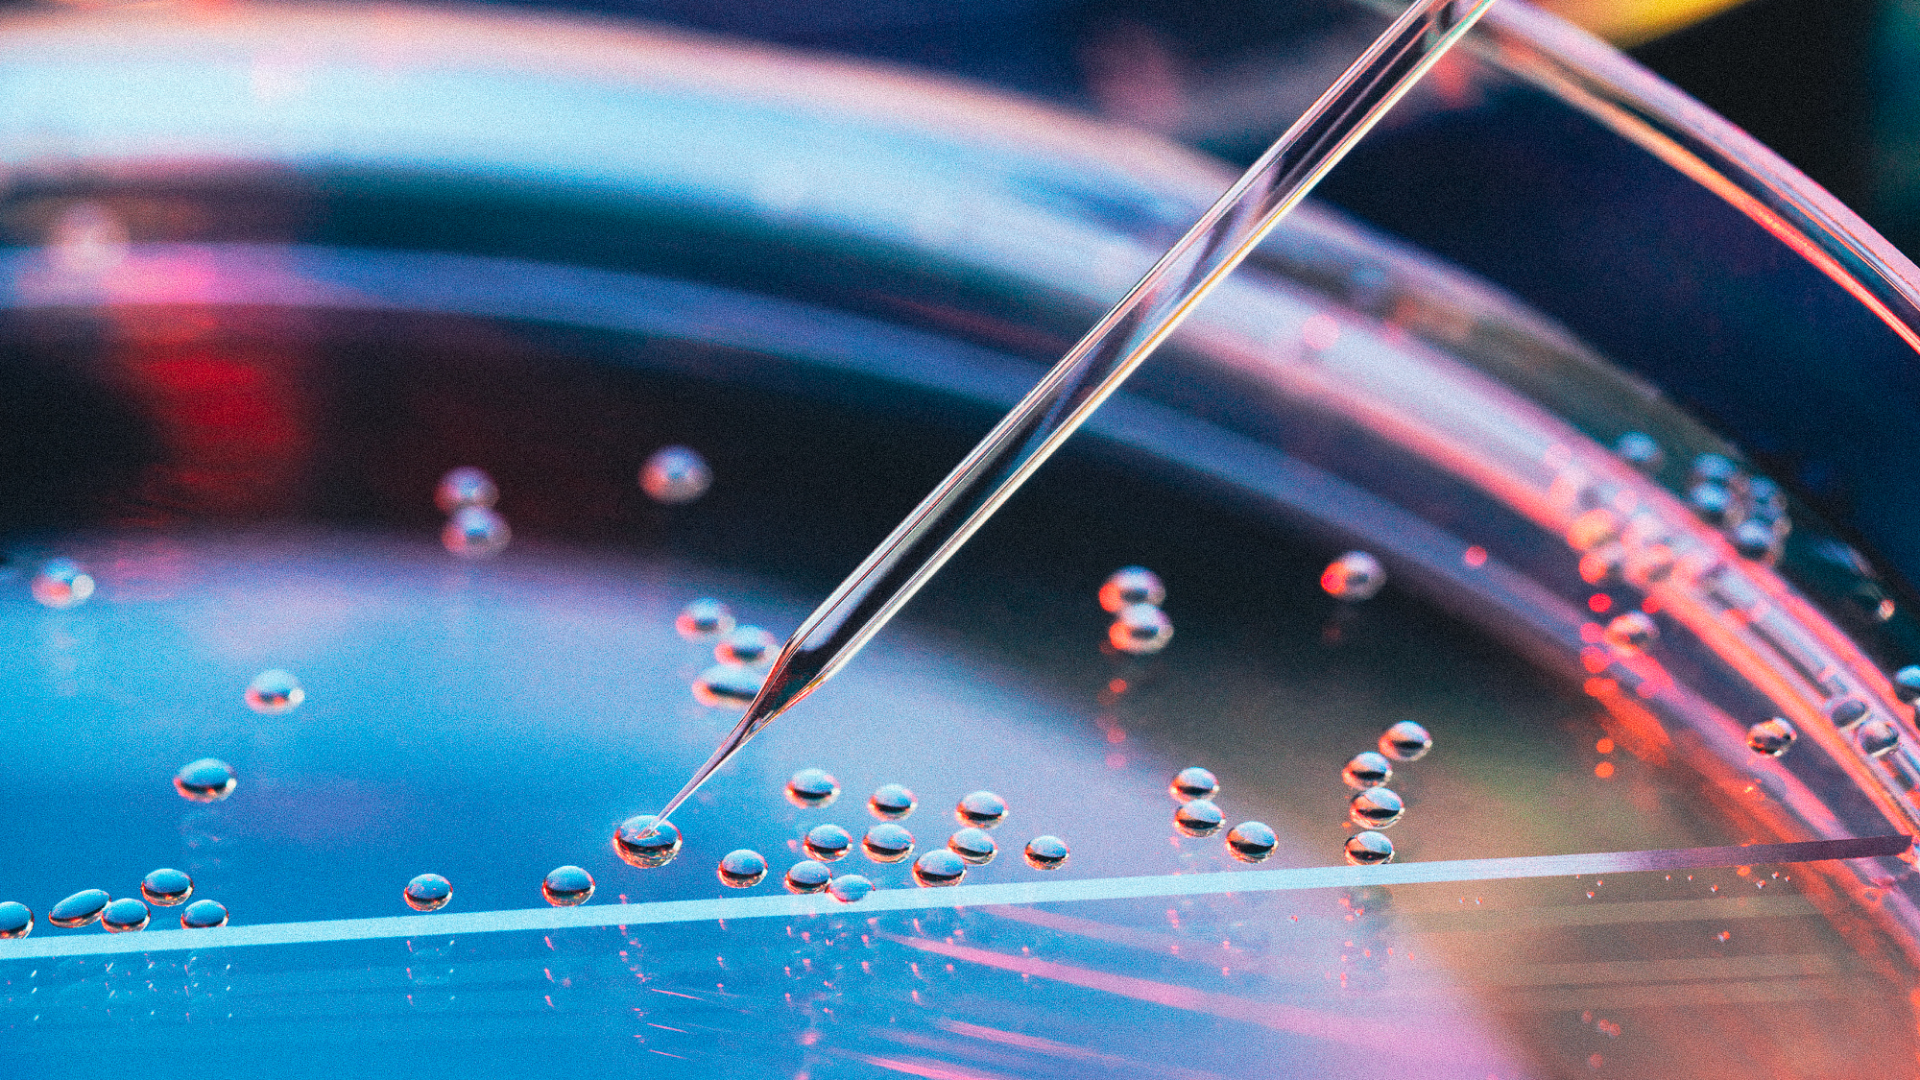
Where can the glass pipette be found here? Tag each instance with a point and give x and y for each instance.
(1096, 366)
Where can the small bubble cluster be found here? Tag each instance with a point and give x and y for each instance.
(1353, 577)
(811, 789)
(61, 583)
(703, 620)
(428, 892)
(205, 780)
(166, 887)
(675, 475)
(567, 886)
(1771, 737)
(742, 869)
(891, 802)
(1133, 595)
(1373, 806)
(273, 692)
(646, 841)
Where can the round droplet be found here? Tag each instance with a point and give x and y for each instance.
(1632, 632)
(1367, 769)
(1131, 585)
(1375, 808)
(646, 842)
(828, 843)
(203, 915)
(850, 888)
(891, 802)
(464, 487)
(273, 692)
(742, 869)
(1906, 684)
(1713, 469)
(1046, 853)
(939, 867)
(1354, 576)
(79, 909)
(748, 646)
(807, 876)
(428, 892)
(1876, 737)
(1604, 564)
(704, 619)
(976, 846)
(1848, 710)
(1140, 629)
(728, 686)
(1193, 783)
(1198, 818)
(475, 532)
(675, 475)
(125, 915)
(1766, 497)
(887, 843)
(981, 808)
(165, 887)
(1771, 737)
(16, 920)
(1712, 503)
(1638, 449)
(812, 788)
(1251, 842)
(61, 583)
(1755, 540)
(206, 780)
(1369, 848)
(567, 886)
(1406, 741)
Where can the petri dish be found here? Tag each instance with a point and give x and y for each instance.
(271, 274)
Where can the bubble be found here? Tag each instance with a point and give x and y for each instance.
(1368, 769)
(125, 915)
(16, 920)
(981, 808)
(1766, 497)
(203, 915)
(1198, 818)
(1712, 503)
(1876, 737)
(704, 619)
(891, 802)
(1375, 808)
(1140, 629)
(728, 686)
(464, 487)
(827, 843)
(812, 788)
(1369, 848)
(1846, 711)
(1755, 540)
(61, 583)
(850, 888)
(1713, 469)
(1132, 585)
(1632, 632)
(887, 843)
(273, 692)
(976, 846)
(742, 869)
(1406, 741)
(79, 909)
(567, 886)
(640, 843)
(206, 780)
(1906, 684)
(939, 867)
(807, 876)
(1354, 576)
(475, 532)
(428, 892)
(1771, 737)
(1046, 853)
(1638, 449)
(165, 887)
(1193, 783)
(1251, 842)
(748, 646)
(675, 475)
(1603, 564)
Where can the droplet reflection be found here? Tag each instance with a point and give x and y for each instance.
(939, 867)
(1251, 842)
(812, 788)
(205, 780)
(203, 915)
(166, 887)
(567, 886)
(16, 920)
(983, 809)
(887, 843)
(273, 692)
(428, 892)
(1198, 818)
(125, 915)
(646, 842)
(742, 869)
(1046, 853)
(975, 846)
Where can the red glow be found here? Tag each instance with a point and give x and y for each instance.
(1476, 556)
(1600, 603)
